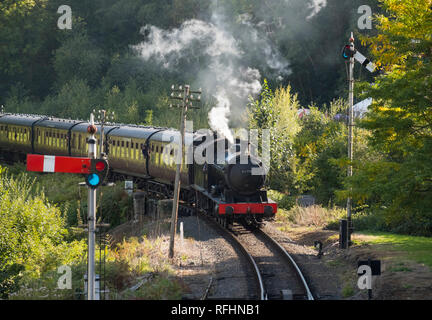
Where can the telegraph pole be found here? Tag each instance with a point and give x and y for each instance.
(102, 117)
(186, 95)
(350, 135)
(91, 219)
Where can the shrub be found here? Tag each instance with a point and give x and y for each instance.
(313, 216)
(32, 234)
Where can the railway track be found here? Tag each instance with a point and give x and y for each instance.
(277, 276)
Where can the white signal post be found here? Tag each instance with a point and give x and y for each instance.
(45, 163)
(91, 219)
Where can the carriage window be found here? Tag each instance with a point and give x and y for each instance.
(136, 146)
(161, 149)
(122, 144)
(157, 148)
(152, 147)
(127, 144)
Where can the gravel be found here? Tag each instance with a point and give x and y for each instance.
(211, 261)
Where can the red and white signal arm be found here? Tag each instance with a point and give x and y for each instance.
(42, 163)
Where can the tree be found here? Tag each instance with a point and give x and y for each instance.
(277, 112)
(399, 181)
(28, 38)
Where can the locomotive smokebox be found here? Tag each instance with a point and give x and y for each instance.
(241, 178)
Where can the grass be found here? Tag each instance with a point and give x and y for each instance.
(335, 263)
(312, 216)
(347, 291)
(415, 248)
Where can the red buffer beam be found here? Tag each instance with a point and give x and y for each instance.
(42, 163)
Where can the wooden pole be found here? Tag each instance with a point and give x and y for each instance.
(177, 182)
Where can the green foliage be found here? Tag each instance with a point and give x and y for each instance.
(284, 201)
(114, 205)
(321, 140)
(277, 113)
(28, 29)
(308, 154)
(397, 180)
(32, 234)
(78, 58)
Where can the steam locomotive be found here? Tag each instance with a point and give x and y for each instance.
(224, 188)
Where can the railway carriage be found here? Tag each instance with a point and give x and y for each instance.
(226, 189)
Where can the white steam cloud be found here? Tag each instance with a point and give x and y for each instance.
(316, 6)
(225, 49)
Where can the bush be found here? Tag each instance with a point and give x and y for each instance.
(32, 234)
(312, 216)
(141, 259)
(284, 201)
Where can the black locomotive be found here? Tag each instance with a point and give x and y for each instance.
(224, 188)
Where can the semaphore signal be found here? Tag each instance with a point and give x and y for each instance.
(351, 54)
(43, 163)
(96, 171)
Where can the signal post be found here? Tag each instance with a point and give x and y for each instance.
(91, 219)
(96, 170)
(350, 53)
